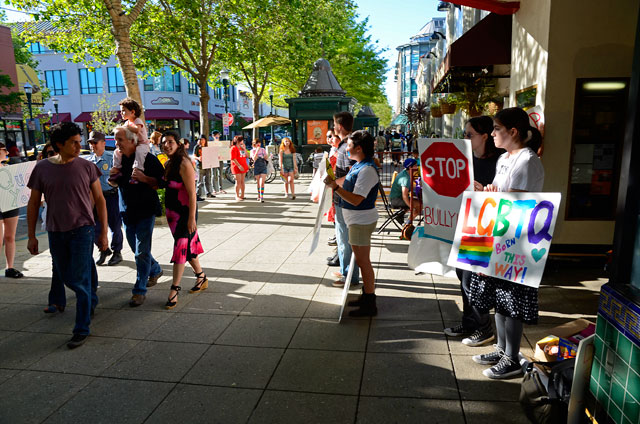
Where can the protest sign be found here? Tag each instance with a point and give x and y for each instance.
(13, 185)
(347, 286)
(536, 117)
(506, 235)
(210, 157)
(224, 153)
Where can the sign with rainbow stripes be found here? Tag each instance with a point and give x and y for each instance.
(505, 235)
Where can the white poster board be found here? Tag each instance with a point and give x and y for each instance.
(324, 203)
(505, 235)
(224, 153)
(210, 156)
(14, 192)
(536, 117)
(347, 286)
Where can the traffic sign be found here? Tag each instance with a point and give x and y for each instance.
(227, 120)
(445, 169)
(225, 130)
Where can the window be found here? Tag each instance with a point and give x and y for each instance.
(166, 81)
(116, 83)
(37, 48)
(193, 88)
(57, 82)
(90, 82)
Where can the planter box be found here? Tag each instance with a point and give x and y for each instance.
(436, 112)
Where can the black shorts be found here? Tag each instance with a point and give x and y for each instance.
(398, 203)
(9, 214)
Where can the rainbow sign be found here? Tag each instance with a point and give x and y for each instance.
(475, 250)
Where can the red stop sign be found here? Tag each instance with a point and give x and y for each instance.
(445, 169)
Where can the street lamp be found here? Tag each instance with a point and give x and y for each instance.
(271, 142)
(55, 106)
(28, 90)
(224, 76)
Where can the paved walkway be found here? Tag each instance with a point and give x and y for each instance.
(262, 344)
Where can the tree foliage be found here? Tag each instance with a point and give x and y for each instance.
(103, 115)
(9, 100)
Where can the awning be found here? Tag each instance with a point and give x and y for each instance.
(485, 44)
(168, 114)
(60, 117)
(496, 6)
(400, 120)
(86, 116)
(196, 113)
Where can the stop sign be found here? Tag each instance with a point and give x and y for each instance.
(445, 169)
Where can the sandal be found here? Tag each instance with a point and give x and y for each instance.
(52, 309)
(172, 302)
(201, 282)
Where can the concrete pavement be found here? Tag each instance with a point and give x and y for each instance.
(262, 344)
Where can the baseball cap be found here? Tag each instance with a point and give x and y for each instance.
(409, 162)
(95, 136)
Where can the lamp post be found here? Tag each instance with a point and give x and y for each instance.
(28, 90)
(271, 142)
(224, 76)
(55, 106)
(50, 114)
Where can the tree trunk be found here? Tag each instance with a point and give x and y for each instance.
(256, 114)
(125, 59)
(204, 106)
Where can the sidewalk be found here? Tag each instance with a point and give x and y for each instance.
(262, 344)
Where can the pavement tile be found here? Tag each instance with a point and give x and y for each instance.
(277, 306)
(235, 285)
(327, 307)
(235, 366)
(218, 303)
(383, 410)
(409, 375)
(407, 337)
(319, 372)
(206, 405)
(259, 331)
(22, 349)
(292, 407)
(486, 412)
(93, 358)
(348, 335)
(30, 396)
(284, 289)
(19, 316)
(4, 334)
(410, 309)
(61, 323)
(108, 400)
(128, 323)
(191, 328)
(113, 297)
(158, 361)
(7, 374)
(475, 386)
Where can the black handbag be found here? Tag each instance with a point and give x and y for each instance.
(547, 405)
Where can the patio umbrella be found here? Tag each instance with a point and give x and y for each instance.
(268, 121)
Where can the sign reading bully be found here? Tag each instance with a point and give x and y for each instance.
(505, 235)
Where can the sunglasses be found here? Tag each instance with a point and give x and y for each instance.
(49, 153)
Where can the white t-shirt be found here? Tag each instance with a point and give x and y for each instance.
(519, 171)
(367, 179)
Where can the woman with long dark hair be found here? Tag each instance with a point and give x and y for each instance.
(239, 166)
(182, 212)
(517, 170)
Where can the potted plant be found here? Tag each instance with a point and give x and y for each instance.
(436, 112)
(448, 104)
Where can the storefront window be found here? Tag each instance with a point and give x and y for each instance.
(166, 124)
(90, 81)
(57, 82)
(167, 81)
(116, 83)
(598, 132)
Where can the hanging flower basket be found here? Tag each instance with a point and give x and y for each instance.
(447, 108)
(475, 110)
(436, 111)
(494, 107)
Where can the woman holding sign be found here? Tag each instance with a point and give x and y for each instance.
(8, 226)
(519, 169)
(358, 191)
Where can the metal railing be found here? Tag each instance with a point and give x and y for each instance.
(391, 162)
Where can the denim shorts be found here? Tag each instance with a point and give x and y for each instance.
(287, 170)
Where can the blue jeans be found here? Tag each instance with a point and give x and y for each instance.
(72, 255)
(344, 248)
(114, 220)
(139, 238)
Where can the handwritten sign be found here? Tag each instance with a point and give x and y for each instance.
(14, 192)
(505, 235)
(536, 116)
(210, 156)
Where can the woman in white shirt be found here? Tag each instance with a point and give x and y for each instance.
(358, 191)
(519, 169)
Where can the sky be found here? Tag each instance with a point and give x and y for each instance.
(392, 24)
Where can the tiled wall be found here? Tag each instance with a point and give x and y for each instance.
(615, 375)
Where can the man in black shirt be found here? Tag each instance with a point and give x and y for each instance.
(139, 206)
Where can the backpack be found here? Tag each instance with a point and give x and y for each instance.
(547, 405)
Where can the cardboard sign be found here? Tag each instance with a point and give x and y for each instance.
(446, 169)
(224, 153)
(14, 192)
(210, 156)
(505, 235)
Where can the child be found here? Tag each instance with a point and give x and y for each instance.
(131, 110)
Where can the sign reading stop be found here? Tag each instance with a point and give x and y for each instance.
(445, 169)
(227, 119)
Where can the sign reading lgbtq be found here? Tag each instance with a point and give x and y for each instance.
(505, 235)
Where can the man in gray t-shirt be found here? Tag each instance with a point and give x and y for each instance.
(71, 186)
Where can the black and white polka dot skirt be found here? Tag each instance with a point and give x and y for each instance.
(509, 299)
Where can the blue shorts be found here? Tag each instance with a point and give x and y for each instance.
(287, 170)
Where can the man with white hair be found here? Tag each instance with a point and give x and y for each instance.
(139, 206)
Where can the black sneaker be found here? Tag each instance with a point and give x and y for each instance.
(76, 341)
(115, 259)
(479, 338)
(491, 358)
(457, 331)
(103, 256)
(506, 368)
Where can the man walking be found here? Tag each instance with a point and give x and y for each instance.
(343, 126)
(139, 206)
(104, 161)
(71, 187)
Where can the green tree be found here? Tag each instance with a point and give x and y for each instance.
(9, 100)
(103, 114)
